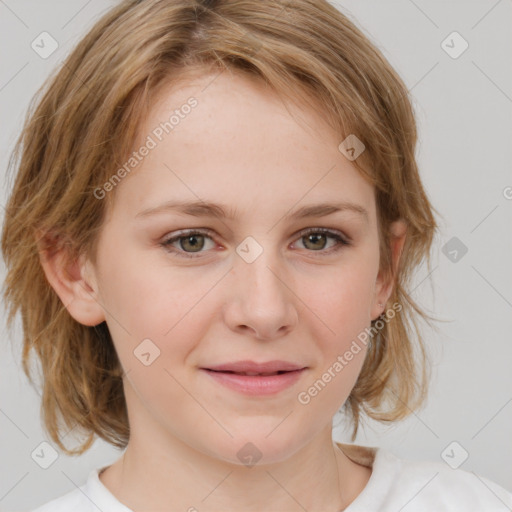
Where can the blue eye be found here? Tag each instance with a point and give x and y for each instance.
(194, 241)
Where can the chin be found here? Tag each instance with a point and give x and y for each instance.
(256, 446)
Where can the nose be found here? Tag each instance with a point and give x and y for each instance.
(261, 301)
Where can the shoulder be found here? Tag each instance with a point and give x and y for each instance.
(435, 484)
(74, 500)
(421, 486)
(89, 497)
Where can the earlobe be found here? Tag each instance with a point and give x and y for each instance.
(67, 277)
(384, 284)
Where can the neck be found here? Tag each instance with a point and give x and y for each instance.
(318, 477)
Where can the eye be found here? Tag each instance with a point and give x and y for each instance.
(189, 243)
(191, 240)
(316, 239)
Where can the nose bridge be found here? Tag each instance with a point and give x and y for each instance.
(261, 298)
(258, 266)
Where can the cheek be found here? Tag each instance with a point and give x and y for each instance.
(342, 315)
(144, 293)
(344, 300)
(158, 315)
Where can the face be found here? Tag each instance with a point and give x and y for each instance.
(184, 290)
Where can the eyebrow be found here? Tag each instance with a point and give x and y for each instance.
(208, 209)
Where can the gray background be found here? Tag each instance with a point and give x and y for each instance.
(463, 106)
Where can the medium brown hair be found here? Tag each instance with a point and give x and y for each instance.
(83, 123)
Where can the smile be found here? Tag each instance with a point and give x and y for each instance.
(253, 383)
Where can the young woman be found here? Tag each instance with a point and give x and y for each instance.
(216, 213)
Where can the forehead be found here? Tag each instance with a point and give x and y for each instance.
(227, 138)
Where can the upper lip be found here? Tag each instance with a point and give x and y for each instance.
(253, 367)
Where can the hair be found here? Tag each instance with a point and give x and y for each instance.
(83, 122)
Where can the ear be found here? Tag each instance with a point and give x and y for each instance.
(73, 280)
(383, 285)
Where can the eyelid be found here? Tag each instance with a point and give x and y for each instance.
(329, 231)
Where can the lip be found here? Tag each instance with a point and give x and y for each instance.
(256, 384)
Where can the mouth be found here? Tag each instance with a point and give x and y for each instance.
(256, 381)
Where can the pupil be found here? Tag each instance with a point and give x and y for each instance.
(315, 238)
(190, 240)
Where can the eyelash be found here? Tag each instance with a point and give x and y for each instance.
(166, 244)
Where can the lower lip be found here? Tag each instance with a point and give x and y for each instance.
(254, 384)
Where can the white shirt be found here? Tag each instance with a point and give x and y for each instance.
(395, 485)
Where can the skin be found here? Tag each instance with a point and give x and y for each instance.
(297, 301)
